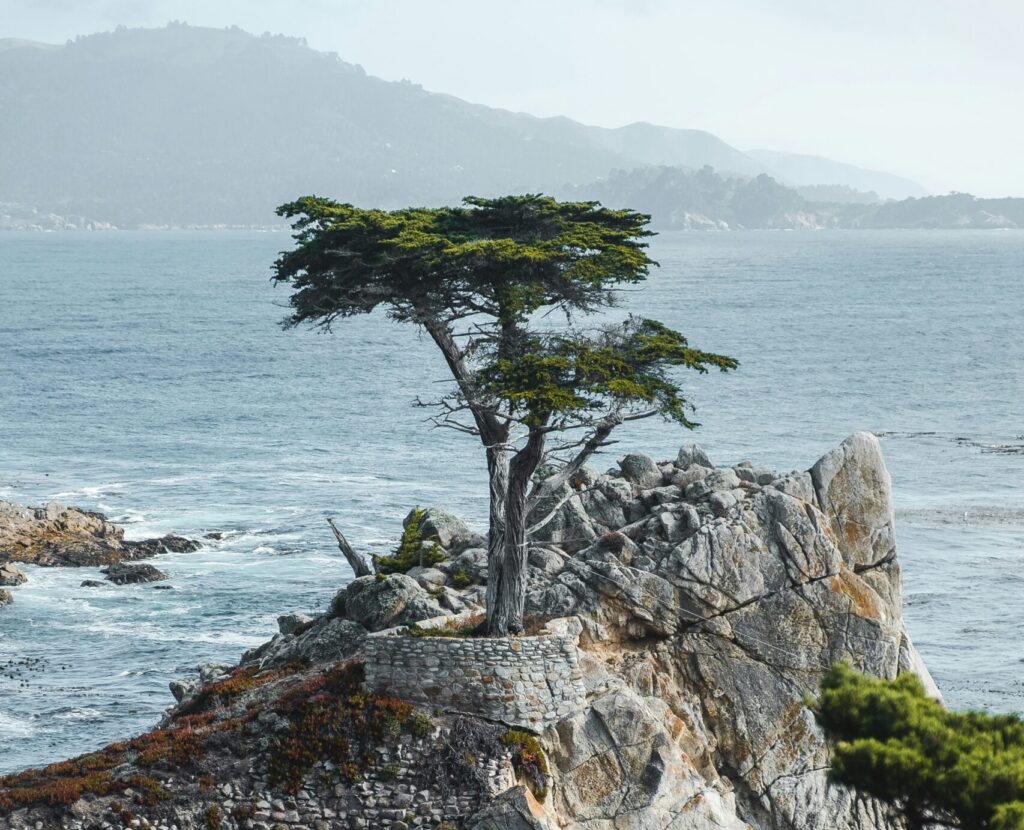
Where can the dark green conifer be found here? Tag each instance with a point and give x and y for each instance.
(939, 768)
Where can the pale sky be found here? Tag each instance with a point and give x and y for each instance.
(929, 89)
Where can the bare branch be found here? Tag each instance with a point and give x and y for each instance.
(356, 562)
(554, 512)
(593, 443)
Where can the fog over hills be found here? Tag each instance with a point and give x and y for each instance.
(801, 171)
(192, 126)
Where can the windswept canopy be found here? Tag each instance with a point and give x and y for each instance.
(504, 258)
(555, 378)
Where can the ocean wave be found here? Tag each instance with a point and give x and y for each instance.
(111, 489)
(77, 713)
(16, 727)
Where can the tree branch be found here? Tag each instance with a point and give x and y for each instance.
(596, 440)
(355, 561)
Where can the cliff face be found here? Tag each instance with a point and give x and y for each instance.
(713, 620)
(690, 611)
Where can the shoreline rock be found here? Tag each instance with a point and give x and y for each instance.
(59, 536)
(697, 609)
(10, 575)
(124, 574)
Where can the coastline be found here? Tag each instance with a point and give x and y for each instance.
(743, 540)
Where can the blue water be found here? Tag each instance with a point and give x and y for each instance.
(143, 374)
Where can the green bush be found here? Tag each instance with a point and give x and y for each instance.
(891, 741)
(529, 761)
(412, 550)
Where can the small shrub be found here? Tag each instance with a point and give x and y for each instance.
(529, 761)
(613, 541)
(151, 791)
(241, 812)
(212, 817)
(461, 579)
(412, 550)
(333, 719)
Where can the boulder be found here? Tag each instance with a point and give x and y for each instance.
(5, 597)
(721, 503)
(469, 567)
(854, 491)
(287, 623)
(325, 640)
(641, 470)
(209, 672)
(747, 472)
(444, 527)
(429, 579)
(377, 603)
(566, 520)
(691, 475)
(10, 575)
(184, 688)
(94, 583)
(798, 485)
(165, 544)
(546, 560)
(717, 480)
(124, 574)
(692, 454)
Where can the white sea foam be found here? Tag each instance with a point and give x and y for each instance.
(113, 488)
(83, 713)
(16, 727)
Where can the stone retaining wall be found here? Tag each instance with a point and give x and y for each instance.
(529, 682)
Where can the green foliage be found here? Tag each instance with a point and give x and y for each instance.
(460, 579)
(893, 742)
(504, 257)
(624, 367)
(412, 550)
(529, 761)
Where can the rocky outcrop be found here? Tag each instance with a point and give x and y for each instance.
(10, 575)
(377, 603)
(56, 535)
(124, 574)
(703, 605)
(5, 597)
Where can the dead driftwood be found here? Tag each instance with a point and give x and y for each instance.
(355, 561)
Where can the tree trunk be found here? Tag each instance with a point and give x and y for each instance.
(508, 586)
(497, 472)
(494, 435)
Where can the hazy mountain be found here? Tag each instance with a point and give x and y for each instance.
(17, 43)
(186, 125)
(798, 170)
(703, 200)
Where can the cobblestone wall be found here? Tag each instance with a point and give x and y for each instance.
(528, 682)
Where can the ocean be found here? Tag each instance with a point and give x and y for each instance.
(144, 374)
